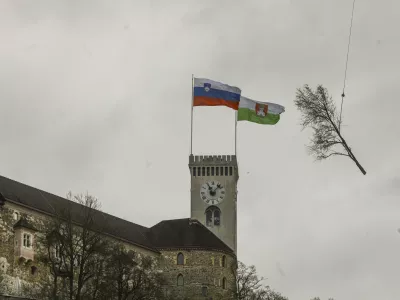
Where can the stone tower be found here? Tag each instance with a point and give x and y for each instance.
(214, 195)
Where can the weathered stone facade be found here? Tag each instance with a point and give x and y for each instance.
(19, 266)
(200, 270)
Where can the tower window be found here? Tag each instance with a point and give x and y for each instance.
(212, 171)
(224, 283)
(194, 171)
(209, 217)
(204, 291)
(198, 171)
(222, 171)
(179, 280)
(217, 171)
(217, 214)
(203, 171)
(180, 259)
(223, 261)
(213, 216)
(208, 171)
(226, 171)
(230, 171)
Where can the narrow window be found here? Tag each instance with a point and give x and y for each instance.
(222, 171)
(208, 171)
(204, 291)
(203, 171)
(224, 283)
(198, 171)
(33, 270)
(16, 216)
(226, 171)
(224, 261)
(180, 280)
(217, 215)
(217, 171)
(212, 171)
(230, 171)
(27, 240)
(194, 171)
(180, 259)
(209, 217)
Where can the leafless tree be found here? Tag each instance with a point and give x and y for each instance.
(250, 287)
(73, 247)
(319, 112)
(132, 276)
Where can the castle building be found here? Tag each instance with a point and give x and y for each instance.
(196, 253)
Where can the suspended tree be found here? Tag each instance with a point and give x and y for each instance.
(319, 112)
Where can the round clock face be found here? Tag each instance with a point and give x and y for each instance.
(212, 192)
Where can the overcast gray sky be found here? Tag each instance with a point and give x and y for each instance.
(95, 96)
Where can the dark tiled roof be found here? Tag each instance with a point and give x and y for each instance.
(180, 233)
(185, 233)
(51, 204)
(22, 222)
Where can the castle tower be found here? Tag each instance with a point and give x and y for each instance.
(214, 195)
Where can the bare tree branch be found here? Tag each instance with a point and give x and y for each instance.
(319, 112)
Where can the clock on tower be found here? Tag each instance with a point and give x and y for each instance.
(213, 194)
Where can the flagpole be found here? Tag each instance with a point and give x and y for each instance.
(191, 119)
(236, 131)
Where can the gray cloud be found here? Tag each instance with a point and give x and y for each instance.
(96, 97)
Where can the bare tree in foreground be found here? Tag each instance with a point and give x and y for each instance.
(249, 285)
(319, 112)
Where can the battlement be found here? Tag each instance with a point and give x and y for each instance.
(212, 160)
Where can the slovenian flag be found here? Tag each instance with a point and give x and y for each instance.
(259, 112)
(207, 92)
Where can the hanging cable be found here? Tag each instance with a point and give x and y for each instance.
(347, 60)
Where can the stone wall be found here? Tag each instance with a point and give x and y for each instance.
(200, 269)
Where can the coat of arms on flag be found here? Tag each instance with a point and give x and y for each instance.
(261, 109)
(207, 87)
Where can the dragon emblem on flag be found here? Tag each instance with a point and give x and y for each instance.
(207, 87)
(261, 109)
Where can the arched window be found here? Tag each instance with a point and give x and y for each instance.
(179, 280)
(224, 283)
(209, 217)
(217, 214)
(213, 216)
(180, 259)
(224, 261)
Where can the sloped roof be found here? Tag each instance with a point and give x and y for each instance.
(180, 233)
(23, 223)
(185, 233)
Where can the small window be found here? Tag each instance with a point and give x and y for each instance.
(212, 171)
(203, 171)
(208, 171)
(33, 270)
(27, 240)
(217, 171)
(180, 259)
(230, 171)
(198, 171)
(194, 172)
(204, 291)
(217, 217)
(16, 215)
(222, 171)
(209, 217)
(226, 171)
(179, 280)
(57, 251)
(224, 283)
(224, 261)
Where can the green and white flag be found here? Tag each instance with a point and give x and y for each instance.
(259, 112)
